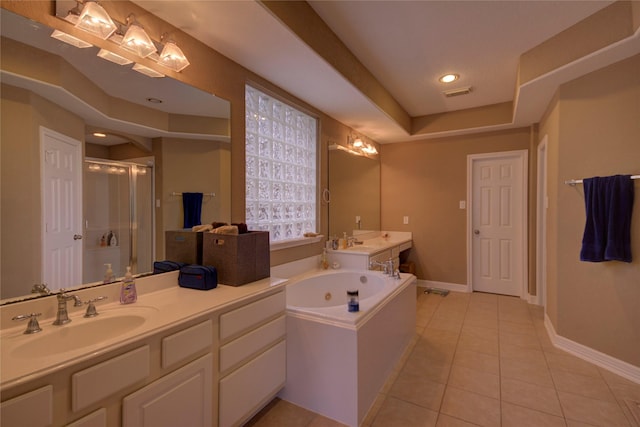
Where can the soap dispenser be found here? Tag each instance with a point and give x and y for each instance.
(324, 263)
(108, 275)
(128, 292)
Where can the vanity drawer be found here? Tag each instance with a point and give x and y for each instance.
(186, 343)
(244, 390)
(106, 378)
(249, 316)
(381, 256)
(31, 409)
(247, 345)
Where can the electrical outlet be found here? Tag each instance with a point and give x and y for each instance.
(405, 220)
(463, 204)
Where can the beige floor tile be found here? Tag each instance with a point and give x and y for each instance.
(415, 388)
(479, 361)
(471, 407)
(518, 416)
(280, 413)
(591, 411)
(544, 399)
(517, 328)
(472, 343)
(563, 361)
(447, 421)
(574, 423)
(510, 351)
(320, 421)
(478, 332)
(451, 324)
(475, 381)
(593, 387)
(430, 369)
(395, 412)
(522, 340)
(532, 373)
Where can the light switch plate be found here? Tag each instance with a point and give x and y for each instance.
(405, 220)
(463, 204)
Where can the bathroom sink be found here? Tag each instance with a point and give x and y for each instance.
(80, 333)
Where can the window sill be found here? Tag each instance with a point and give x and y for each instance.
(276, 246)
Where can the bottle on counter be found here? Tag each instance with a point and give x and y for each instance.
(108, 274)
(324, 263)
(353, 303)
(128, 292)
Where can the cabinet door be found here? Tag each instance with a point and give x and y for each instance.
(182, 398)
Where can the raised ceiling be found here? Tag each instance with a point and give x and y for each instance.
(405, 46)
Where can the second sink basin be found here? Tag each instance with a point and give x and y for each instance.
(81, 332)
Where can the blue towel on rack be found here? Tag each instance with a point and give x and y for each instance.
(607, 231)
(192, 206)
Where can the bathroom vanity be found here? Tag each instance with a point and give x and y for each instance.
(376, 247)
(176, 357)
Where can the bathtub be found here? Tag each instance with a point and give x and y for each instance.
(338, 361)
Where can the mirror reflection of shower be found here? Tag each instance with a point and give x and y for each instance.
(118, 217)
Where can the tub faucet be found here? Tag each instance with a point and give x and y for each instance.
(384, 265)
(62, 316)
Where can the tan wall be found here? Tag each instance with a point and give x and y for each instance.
(425, 180)
(20, 180)
(593, 130)
(191, 166)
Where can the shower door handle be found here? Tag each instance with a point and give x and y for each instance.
(77, 237)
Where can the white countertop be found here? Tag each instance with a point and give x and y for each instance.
(165, 306)
(380, 242)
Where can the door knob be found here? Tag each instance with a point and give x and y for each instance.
(476, 232)
(77, 237)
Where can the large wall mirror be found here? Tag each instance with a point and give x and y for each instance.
(354, 188)
(163, 138)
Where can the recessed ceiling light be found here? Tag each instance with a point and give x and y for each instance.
(100, 134)
(154, 100)
(448, 78)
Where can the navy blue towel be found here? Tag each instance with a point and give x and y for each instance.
(192, 205)
(607, 231)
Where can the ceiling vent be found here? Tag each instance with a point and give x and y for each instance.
(457, 92)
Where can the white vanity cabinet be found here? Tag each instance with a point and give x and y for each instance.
(252, 358)
(215, 365)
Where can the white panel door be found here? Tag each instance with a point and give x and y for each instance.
(61, 171)
(498, 224)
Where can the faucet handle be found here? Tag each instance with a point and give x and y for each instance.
(91, 309)
(33, 325)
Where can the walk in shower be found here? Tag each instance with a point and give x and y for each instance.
(118, 217)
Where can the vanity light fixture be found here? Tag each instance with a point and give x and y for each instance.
(369, 149)
(95, 20)
(357, 143)
(147, 71)
(113, 57)
(69, 39)
(137, 40)
(172, 56)
(449, 78)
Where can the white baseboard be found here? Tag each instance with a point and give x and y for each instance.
(605, 361)
(442, 285)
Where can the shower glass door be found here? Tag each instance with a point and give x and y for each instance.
(118, 218)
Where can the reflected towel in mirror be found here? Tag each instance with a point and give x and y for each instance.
(192, 206)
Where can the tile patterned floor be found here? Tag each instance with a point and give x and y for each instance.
(484, 360)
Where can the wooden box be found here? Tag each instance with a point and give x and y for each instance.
(239, 258)
(183, 246)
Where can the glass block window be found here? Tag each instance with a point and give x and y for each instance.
(280, 167)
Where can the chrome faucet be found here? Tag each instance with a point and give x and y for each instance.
(384, 265)
(62, 316)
